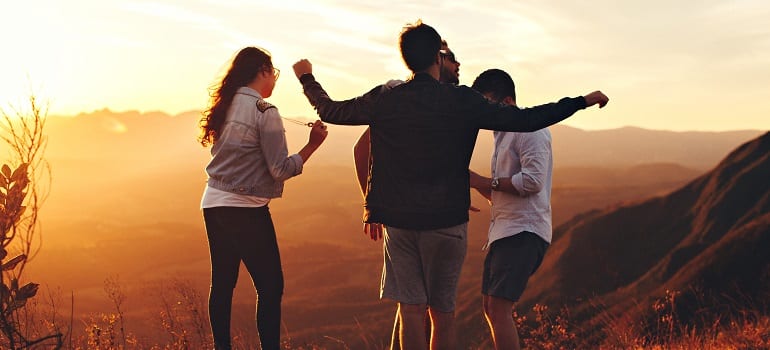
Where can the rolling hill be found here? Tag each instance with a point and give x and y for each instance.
(709, 240)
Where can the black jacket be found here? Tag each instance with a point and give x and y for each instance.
(422, 137)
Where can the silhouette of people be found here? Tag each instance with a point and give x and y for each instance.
(520, 228)
(422, 136)
(450, 73)
(249, 164)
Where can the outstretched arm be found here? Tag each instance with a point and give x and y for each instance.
(492, 116)
(356, 111)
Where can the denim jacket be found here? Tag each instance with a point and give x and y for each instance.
(422, 136)
(250, 156)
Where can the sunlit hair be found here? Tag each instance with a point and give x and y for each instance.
(245, 67)
(495, 82)
(419, 45)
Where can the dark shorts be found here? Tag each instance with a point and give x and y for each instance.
(509, 263)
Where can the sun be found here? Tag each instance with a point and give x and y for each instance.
(38, 50)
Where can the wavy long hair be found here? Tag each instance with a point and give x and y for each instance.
(245, 67)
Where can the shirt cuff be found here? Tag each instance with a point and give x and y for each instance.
(308, 77)
(582, 104)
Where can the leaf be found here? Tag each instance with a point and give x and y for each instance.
(16, 189)
(3, 182)
(6, 171)
(13, 262)
(27, 291)
(20, 172)
(3, 253)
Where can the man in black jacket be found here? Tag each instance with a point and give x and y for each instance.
(422, 137)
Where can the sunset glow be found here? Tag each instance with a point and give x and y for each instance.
(664, 65)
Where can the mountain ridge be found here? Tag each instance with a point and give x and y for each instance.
(621, 147)
(694, 237)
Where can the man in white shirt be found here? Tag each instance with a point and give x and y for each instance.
(520, 230)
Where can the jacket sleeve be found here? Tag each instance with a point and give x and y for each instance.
(356, 111)
(272, 139)
(499, 117)
(535, 158)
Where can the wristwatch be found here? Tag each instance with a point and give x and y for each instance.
(495, 184)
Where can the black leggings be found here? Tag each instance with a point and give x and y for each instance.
(248, 235)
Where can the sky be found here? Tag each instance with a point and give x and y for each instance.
(673, 65)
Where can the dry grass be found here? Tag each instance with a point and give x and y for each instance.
(745, 328)
(186, 327)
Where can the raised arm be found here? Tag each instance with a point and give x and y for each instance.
(356, 111)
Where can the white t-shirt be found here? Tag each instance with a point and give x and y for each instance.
(213, 197)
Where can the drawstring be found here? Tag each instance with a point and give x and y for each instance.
(309, 124)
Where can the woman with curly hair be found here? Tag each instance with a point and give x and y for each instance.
(249, 165)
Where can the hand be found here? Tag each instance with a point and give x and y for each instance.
(374, 231)
(318, 133)
(303, 67)
(596, 97)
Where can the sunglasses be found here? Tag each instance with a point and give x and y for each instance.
(448, 55)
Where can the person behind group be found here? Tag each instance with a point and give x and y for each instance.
(422, 138)
(248, 167)
(450, 74)
(520, 228)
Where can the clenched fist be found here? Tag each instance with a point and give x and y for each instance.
(302, 67)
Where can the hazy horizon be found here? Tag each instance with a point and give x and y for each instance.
(139, 112)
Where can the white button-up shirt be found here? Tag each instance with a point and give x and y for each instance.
(526, 160)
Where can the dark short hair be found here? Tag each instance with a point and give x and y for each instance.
(495, 82)
(419, 45)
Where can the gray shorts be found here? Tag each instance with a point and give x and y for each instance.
(423, 266)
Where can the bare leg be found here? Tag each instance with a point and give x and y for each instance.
(395, 343)
(499, 315)
(412, 326)
(395, 339)
(443, 333)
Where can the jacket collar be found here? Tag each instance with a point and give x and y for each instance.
(423, 76)
(245, 90)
